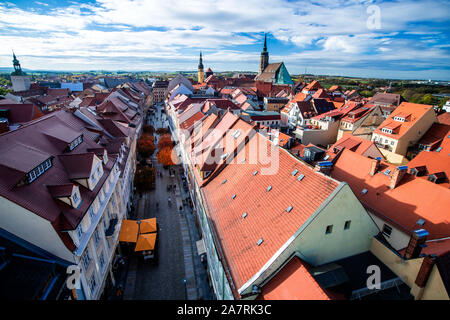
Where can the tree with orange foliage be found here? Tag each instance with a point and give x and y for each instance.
(165, 141)
(164, 156)
(145, 145)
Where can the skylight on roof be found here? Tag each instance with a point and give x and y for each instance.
(326, 157)
(269, 188)
(224, 155)
(234, 196)
(387, 171)
(255, 173)
(225, 180)
(300, 177)
(244, 215)
(289, 209)
(294, 172)
(364, 191)
(438, 149)
(236, 134)
(420, 222)
(260, 241)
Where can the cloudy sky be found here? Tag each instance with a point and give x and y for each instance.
(392, 39)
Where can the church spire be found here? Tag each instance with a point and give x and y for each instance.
(265, 42)
(200, 63)
(200, 73)
(17, 68)
(264, 59)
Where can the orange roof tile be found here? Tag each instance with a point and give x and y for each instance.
(415, 110)
(444, 118)
(412, 199)
(267, 217)
(293, 282)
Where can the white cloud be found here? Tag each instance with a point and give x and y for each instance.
(326, 32)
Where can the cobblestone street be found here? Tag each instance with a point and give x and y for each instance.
(179, 273)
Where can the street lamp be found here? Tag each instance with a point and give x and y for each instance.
(185, 287)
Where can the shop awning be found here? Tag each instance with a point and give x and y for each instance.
(148, 225)
(146, 242)
(129, 231)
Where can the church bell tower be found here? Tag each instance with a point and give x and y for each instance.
(264, 60)
(200, 73)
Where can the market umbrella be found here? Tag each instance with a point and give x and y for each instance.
(146, 242)
(147, 226)
(129, 231)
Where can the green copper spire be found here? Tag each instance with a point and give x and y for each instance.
(17, 69)
(200, 63)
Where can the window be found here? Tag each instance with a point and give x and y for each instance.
(387, 230)
(92, 284)
(40, 169)
(86, 260)
(75, 197)
(329, 229)
(347, 225)
(96, 237)
(79, 231)
(101, 259)
(91, 211)
(76, 142)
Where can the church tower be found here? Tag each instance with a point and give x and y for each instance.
(264, 60)
(20, 81)
(200, 74)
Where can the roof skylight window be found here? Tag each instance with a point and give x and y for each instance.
(289, 209)
(255, 173)
(75, 142)
(244, 215)
(39, 170)
(420, 222)
(294, 172)
(269, 188)
(300, 177)
(260, 241)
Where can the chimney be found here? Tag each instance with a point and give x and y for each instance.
(416, 244)
(324, 167)
(374, 166)
(425, 270)
(397, 176)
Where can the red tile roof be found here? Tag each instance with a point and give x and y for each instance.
(434, 162)
(414, 198)
(355, 144)
(266, 211)
(21, 113)
(293, 282)
(416, 112)
(192, 120)
(444, 118)
(434, 136)
(23, 149)
(315, 85)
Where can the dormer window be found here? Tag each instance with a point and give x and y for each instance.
(39, 170)
(75, 142)
(401, 119)
(386, 130)
(76, 197)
